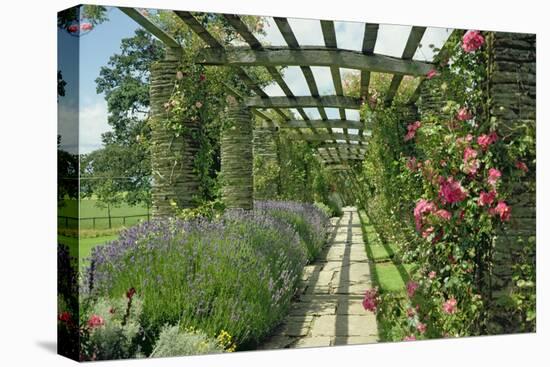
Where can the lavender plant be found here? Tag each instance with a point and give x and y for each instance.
(237, 273)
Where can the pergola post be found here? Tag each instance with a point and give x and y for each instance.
(266, 162)
(237, 157)
(172, 158)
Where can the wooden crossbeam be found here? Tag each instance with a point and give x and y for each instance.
(292, 42)
(369, 42)
(325, 137)
(344, 146)
(150, 27)
(321, 124)
(311, 56)
(304, 101)
(410, 48)
(355, 151)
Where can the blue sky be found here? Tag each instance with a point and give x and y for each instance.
(104, 40)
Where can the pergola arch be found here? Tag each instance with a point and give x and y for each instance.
(336, 150)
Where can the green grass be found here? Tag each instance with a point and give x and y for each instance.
(89, 208)
(86, 245)
(380, 253)
(391, 277)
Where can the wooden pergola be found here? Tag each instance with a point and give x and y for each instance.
(336, 150)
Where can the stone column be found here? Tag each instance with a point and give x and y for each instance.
(512, 87)
(266, 163)
(236, 157)
(172, 160)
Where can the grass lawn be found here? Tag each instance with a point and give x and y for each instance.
(89, 208)
(86, 245)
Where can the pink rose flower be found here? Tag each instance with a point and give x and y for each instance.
(432, 275)
(423, 208)
(443, 214)
(95, 321)
(411, 288)
(494, 176)
(486, 198)
(472, 40)
(451, 191)
(522, 166)
(471, 164)
(409, 338)
(428, 231)
(86, 26)
(421, 327)
(502, 210)
(463, 114)
(370, 301)
(485, 140)
(411, 130)
(449, 306)
(430, 74)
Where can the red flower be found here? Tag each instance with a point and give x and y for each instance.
(72, 28)
(409, 338)
(95, 321)
(202, 77)
(370, 301)
(411, 312)
(421, 327)
(423, 208)
(411, 130)
(64, 316)
(451, 191)
(449, 306)
(471, 164)
(472, 40)
(430, 74)
(443, 214)
(432, 275)
(411, 288)
(486, 198)
(463, 114)
(522, 166)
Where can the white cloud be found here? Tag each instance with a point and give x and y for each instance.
(93, 122)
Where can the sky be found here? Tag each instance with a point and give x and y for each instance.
(104, 40)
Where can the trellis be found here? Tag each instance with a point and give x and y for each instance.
(335, 150)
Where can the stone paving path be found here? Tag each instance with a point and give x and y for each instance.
(329, 308)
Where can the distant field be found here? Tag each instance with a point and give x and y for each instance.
(86, 245)
(89, 209)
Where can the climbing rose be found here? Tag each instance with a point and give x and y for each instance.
(502, 210)
(86, 26)
(409, 338)
(64, 316)
(463, 114)
(451, 191)
(421, 327)
(522, 166)
(486, 198)
(411, 288)
(485, 140)
(73, 28)
(95, 321)
(430, 74)
(472, 40)
(428, 231)
(370, 301)
(471, 164)
(494, 175)
(463, 140)
(432, 274)
(423, 207)
(449, 306)
(412, 130)
(443, 214)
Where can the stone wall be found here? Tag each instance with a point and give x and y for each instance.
(512, 86)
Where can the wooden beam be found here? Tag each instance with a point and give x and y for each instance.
(311, 56)
(150, 27)
(410, 48)
(341, 146)
(329, 36)
(369, 42)
(322, 124)
(325, 136)
(304, 101)
(360, 151)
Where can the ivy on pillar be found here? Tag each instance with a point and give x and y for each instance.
(175, 184)
(266, 163)
(237, 157)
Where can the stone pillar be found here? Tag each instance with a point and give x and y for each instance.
(172, 160)
(236, 157)
(512, 88)
(266, 163)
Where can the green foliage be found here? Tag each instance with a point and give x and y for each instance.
(173, 341)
